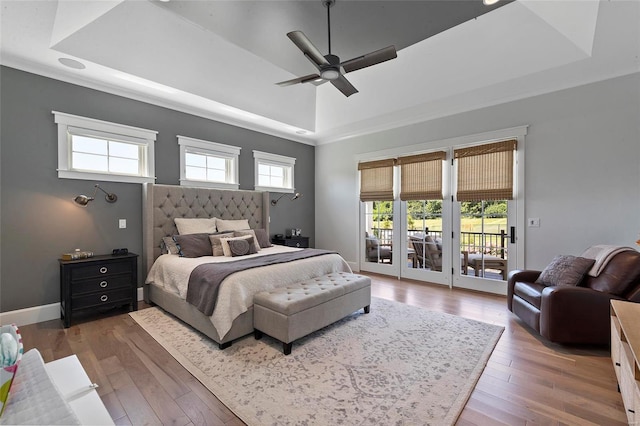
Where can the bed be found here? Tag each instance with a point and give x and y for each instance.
(162, 204)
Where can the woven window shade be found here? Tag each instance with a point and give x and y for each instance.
(421, 176)
(485, 172)
(376, 180)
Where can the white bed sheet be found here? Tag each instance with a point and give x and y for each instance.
(235, 295)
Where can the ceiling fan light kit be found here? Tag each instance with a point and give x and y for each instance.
(329, 66)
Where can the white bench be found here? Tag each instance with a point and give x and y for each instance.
(292, 312)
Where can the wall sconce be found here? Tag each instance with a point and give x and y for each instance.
(295, 197)
(83, 200)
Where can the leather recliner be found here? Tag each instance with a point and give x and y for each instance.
(580, 314)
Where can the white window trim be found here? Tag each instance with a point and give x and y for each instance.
(275, 160)
(68, 123)
(208, 148)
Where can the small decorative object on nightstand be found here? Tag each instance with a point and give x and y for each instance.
(103, 281)
(298, 241)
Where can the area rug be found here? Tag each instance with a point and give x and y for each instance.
(397, 365)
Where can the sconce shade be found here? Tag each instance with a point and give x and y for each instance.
(295, 197)
(83, 200)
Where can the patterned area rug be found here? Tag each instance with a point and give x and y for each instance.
(397, 365)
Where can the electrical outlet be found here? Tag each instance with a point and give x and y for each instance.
(534, 222)
(122, 223)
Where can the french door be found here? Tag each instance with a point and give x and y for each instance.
(468, 244)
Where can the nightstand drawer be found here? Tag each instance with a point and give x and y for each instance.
(106, 298)
(109, 282)
(98, 269)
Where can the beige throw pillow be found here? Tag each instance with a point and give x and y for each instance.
(216, 244)
(195, 225)
(232, 225)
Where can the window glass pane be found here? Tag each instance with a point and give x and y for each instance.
(263, 169)
(123, 165)
(124, 150)
(196, 173)
(192, 159)
(277, 171)
(88, 145)
(277, 181)
(216, 175)
(89, 162)
(216, 163)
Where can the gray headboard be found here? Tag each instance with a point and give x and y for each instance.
(163, 203)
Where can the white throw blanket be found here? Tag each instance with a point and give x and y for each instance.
(602, 254)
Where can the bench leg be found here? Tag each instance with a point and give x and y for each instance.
(223, 346)
(257, 334)
(286, 348)
(367, 309)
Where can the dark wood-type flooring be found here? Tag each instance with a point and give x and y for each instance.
(527, 380)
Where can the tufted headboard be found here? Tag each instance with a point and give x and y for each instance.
(163, 203)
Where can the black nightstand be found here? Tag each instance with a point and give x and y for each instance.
(98, 282)
(301, 242)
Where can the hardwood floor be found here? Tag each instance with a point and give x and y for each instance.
(527, 380)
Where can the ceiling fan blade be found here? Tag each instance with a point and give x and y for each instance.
(369, 59)
(309, 50)
(343, 85)
(306, 79)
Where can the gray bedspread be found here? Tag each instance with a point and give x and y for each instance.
(205, 279)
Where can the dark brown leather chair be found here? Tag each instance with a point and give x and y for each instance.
(580, 314)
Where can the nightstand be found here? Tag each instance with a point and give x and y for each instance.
(98, 282)
(301, 242)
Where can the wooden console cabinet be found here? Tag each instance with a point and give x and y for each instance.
(625, 352)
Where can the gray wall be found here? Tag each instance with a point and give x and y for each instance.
(582, 168)
(38, 219)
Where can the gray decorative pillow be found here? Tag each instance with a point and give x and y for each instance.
(226, 247)
(565, 270)
(232, 225)
(242, 247)
(168, 246)
(216, 244)
(193, 245)
(250, 232)
(262, 237)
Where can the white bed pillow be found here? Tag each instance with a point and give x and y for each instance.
(195, 225)
(232, 225)
(229, 252)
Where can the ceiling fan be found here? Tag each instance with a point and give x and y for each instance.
(329, 66)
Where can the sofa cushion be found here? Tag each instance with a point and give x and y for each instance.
(620, 276)
(565, 270)
(530, 292)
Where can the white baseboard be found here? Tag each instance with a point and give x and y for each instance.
(36, 314)
(31, 315)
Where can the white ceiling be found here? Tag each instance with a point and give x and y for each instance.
(220, 59)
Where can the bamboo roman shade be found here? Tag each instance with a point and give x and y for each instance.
(421, 176)
(376, 180)
(485, 172)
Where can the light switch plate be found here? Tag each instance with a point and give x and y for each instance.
(533, 222)
(122, 223)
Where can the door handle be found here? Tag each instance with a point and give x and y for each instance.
(513, 235)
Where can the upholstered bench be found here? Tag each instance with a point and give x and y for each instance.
(292, 312)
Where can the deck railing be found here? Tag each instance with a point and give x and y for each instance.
(493, 244)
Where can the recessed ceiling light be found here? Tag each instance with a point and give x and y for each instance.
(72, 63)
(489, 2)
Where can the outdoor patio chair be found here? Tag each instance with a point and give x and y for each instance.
(428, 254)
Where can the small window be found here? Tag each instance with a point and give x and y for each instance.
(273, 172)
(209, 164)
(99, 150)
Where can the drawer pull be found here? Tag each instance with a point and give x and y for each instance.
(103, 270)
(104, 298)
(103, 284)
(631, 411)
(617, 364)
(298, 245)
